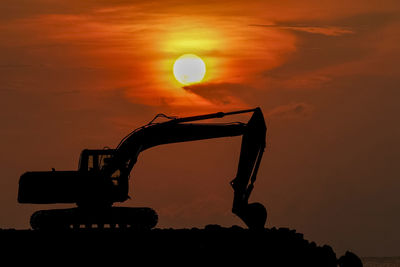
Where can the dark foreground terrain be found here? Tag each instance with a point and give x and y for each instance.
(210, 246)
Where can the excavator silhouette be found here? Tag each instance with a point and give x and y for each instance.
(103, 176)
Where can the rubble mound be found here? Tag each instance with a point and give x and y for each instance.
(209, 246)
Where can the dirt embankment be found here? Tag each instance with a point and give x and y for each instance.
(211, 246)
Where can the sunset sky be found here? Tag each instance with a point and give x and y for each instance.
(82, 74)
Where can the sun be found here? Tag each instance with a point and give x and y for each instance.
(189, 69)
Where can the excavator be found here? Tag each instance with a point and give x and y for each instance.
(102, 178)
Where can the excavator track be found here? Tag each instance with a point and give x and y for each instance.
(110, 217)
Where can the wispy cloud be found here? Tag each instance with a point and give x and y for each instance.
(220, 93)
(294, 110)
(313, 29)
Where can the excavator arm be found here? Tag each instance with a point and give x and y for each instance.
(183, 130)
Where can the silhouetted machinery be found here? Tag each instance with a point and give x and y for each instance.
(103, 175)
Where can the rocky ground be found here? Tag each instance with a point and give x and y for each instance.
(211, 246)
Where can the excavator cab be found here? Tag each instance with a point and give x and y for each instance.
(95, 159)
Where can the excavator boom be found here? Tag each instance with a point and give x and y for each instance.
(183, 130)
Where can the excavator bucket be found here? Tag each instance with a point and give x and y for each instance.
(254, 215)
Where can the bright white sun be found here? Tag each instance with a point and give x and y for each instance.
(189, 69)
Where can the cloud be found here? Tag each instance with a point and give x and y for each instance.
(294, 110)
(324, 30)
(220, 93)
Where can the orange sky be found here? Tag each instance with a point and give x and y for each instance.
(77, 75)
